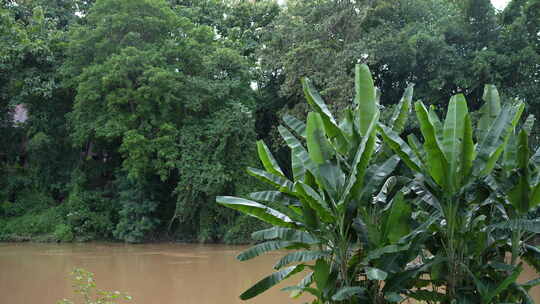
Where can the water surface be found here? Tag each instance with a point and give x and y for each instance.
(151, 273)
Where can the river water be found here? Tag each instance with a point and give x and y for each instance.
(151, 273)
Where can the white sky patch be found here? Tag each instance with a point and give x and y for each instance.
(500, 4)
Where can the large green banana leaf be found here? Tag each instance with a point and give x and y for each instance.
(401, 112)
(365, 98)
(296, 125)
(489, 111)
(270, 281)
(257, 210)
(437, 164)
(301, 257)
(315, 201)
(267, 159)
(453, 137)
(401, 148)
(319, 148)
(328, 122)
(280, 182)
(361, 160)
(492, 145)
(300, 160)
(284, 234)
(268, 246)
(520, 194)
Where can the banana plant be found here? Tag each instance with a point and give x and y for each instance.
(450, 165)
(514, 187)
(341, 214)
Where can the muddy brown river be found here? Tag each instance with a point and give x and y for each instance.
(151, 273)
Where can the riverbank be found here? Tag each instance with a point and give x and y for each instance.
(164, 239)
(53, 225)
(51, 238)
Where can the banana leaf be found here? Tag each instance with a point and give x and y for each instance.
(401, 112)
(437, 164)
(285, 234)
(401, 148)
(365, 98)
(319, 148)
(453, 137)
(257, 210)
(298, 126)
(301, 257)
(270, 281)
(268, 160)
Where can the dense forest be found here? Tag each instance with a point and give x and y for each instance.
(124, 119)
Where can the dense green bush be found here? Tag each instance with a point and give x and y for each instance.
(42, 223)
(63, 233)
(136, 215)
(89, 214)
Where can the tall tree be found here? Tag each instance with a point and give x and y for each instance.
(165, 96)
(39, 148)
(444, 47)
(316, 38)
(62, 12)
(518, 52)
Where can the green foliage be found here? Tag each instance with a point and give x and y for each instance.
(165, 101)
(211, 162)
(239, 23)
(31, 55)
(176, 99)
(449, 224)
(469, 189)
(326, 212)
(162, 101)
(63, 233)
(38, 225)
(136, 214)
(84, 284)
(444, 47)
(89, 213)
(37, 157)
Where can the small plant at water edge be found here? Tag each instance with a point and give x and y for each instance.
(84, 284)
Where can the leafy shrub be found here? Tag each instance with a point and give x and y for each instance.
(136, 221)
(9, 209)
(89, 214)
(33, 224)
(137, 218)
(63, 233)
(27, 200)
(84, 284)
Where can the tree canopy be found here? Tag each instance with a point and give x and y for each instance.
(140, 112)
